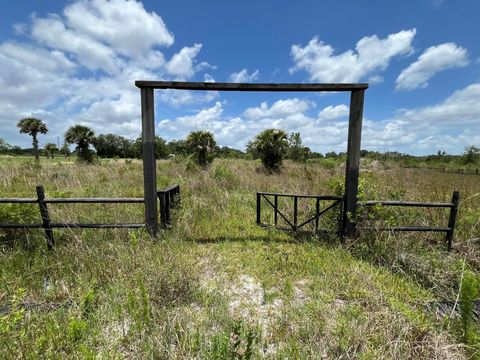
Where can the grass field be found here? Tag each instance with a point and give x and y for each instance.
(215, 285)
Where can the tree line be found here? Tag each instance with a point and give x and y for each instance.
(201, 145)
(271, 146)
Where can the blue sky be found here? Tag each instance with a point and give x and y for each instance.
(76, 62)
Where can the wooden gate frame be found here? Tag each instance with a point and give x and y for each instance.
(357, 93)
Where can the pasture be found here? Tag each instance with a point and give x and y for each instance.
(215, 285)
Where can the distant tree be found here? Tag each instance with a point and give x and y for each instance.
(16, 150)
(83, 137)
(161, 148)
(227, 152)
(272, 146)
(33, 127)
(4, 147)
(471, 154)
(306, 153)
(251, 150)
(201, 144)
(316, 155)
(295, 147)
(178, 147)
(50, 149)
(65, 149)
(331, 154)
(110, 145)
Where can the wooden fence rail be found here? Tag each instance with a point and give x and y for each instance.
(463, 171)
(449, 230)
(166, 203)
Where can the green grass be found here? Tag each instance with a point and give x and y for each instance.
(216, 286)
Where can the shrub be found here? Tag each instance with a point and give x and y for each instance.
(201, 144)
(469, 292)
(271, 145)
(83, 137)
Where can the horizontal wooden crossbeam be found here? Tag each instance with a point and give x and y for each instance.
(214, 86)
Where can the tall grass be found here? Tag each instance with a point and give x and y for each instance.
(217, 286)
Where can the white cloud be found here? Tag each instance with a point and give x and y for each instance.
(334, 112)
(371, 55)
(118, 41)
(208, 78)
(125, 26)
(433, 60)
(181, 64)
(53, 33)
(449, 125)
(243, 76)
(280, 108)
(41, 59)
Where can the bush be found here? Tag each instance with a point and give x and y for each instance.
(201, 144)
(16, 214)
(271, 145)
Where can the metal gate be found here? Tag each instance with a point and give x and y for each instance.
(272, 200)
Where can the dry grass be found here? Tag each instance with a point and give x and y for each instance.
(218, 286)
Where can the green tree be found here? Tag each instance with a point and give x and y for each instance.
(271, 146)
(471, 154)
(202, 145)
(110, 145)
(295, 146)
(4, 147)
(83, 137)
(33, 127)
(161, 148)
(177, 147)
(50, 149)
(65, 149)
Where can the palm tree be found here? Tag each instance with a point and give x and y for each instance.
(202, 144)
(271, 145)
(50, 149)
(82, 136)
(32, 127)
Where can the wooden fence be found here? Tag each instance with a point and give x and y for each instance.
(475, 171)
(166, 203)
(338, 201)
(449, 229)
(169, 198)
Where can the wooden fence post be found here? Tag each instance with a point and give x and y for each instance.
(317, 211)
(149, 167)
(452, 219)
(167, 207)
(275, 208)
(163, 218)
(45, 217)
(353, 161)
(259, 208)
(295, 212)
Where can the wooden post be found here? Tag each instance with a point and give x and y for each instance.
(259, 209)
(295, 212)
(275, 208)
(317, 211)
(45, 217)
(452, 219)
(353, 161)
(149, 166)
(163, 219)
(167, 207)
